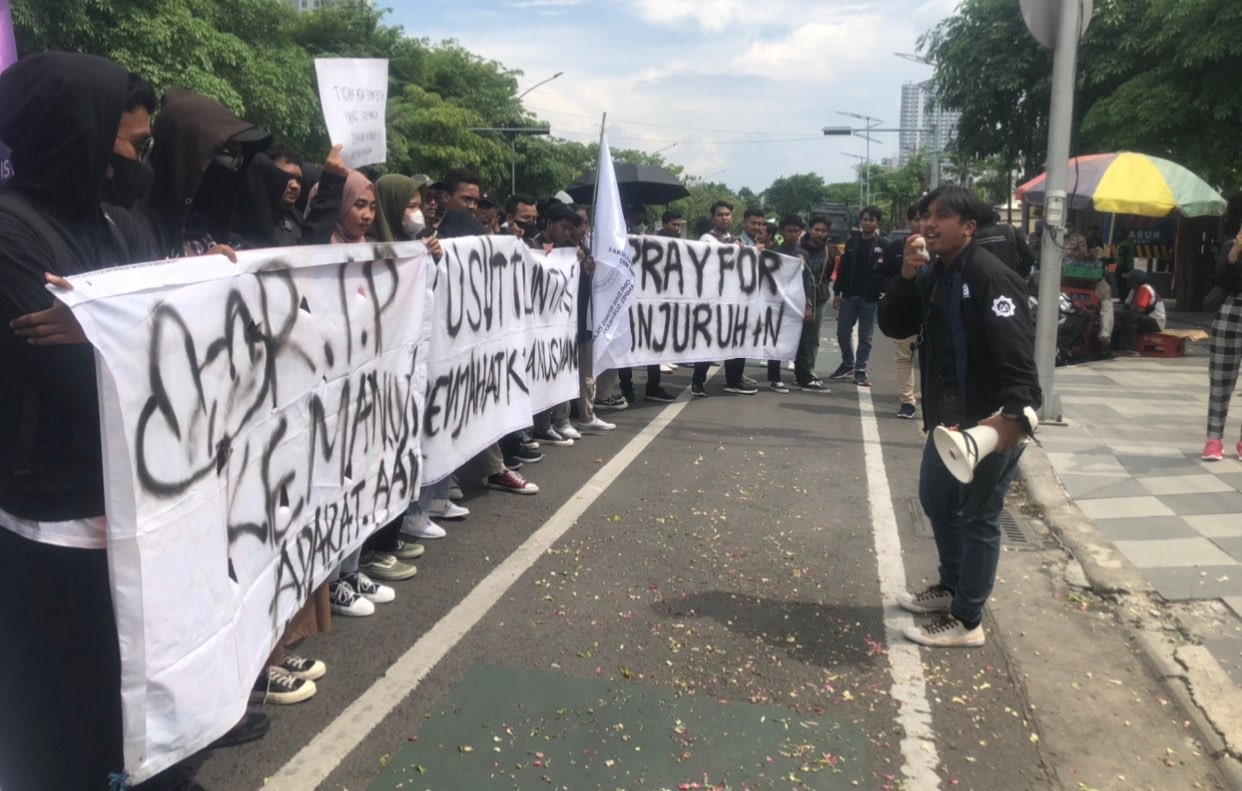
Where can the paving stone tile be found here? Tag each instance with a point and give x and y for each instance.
(1125, 487)
(1145, 466)
(1207, 503)
(1148, 529)
(1175, 553)
(1228, 651)
(1216, 525)
(1184, 484)
(1210, 582)
(1232, 545)
(1124, 508)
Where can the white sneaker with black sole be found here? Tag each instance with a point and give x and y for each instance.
(276, 686)
(346, 601)
(945, 632)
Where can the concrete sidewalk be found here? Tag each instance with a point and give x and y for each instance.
(1122, 483)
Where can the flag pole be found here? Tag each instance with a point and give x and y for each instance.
(603, 123)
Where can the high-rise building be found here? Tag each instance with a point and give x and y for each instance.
(311, 5)
(920, 111)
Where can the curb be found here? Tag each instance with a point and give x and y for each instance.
(1193, 678)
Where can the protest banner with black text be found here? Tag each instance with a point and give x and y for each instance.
(504, 345)
(697, 302)
(260, 420)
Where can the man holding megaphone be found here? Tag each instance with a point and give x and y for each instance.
(976, 342)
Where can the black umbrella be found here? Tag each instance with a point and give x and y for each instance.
(637, 183)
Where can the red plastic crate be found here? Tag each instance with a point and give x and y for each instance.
(1157, 344)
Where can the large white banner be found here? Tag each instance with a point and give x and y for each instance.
(354, 95)
(259, 421)
(697, 302)
(504, 345)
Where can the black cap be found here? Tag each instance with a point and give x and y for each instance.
(486, 199)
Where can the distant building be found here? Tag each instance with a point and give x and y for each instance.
(919, 110)
(311, 5)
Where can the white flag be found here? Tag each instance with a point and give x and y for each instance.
(613, 286)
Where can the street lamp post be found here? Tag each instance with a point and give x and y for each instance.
(860, 158)
(512, 133)
(864, 133)
(840, 131)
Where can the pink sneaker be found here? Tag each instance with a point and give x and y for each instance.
(1214, 450)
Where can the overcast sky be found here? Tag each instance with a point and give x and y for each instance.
(741, 86)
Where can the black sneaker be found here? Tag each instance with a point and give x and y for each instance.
(778, 387)
(277, 686)
(698, 391)
(860, 379)
(512, 464)
(661, 395)
(301, 667)
(814, 386)
(907, 411)
(628, 394)
(843, 372)
(741, 388)
(251, 727)
(523, 456)
(526, 440)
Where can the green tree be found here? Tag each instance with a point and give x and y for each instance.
(702, 195)
(796, 194)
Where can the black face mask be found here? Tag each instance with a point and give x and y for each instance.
(131, 181)
(529, 230)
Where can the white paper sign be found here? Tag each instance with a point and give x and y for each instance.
(504, 345)
(697, 302)
(259, 421)
(354, 95)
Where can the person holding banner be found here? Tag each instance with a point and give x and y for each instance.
(68, 123)
(812, 250)
(977, 359)
(735, 380)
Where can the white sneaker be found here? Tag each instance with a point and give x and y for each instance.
(789, 366)
(595, 424)
(346, 601)
(929, 600)
(447, 509)
(568, 431)
(668, 368)
(945, 632)
(420, 526)
(371, 591)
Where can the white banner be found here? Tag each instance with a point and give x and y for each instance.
(354, 96)
(259, 421)
(613, 283)
(698, 302)
(504, 345)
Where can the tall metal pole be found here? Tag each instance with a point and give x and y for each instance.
(512, 164)
(935, 156)
(1060, 119)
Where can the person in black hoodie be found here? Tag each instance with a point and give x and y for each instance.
(856, 296)
(977, 361)
(59, 655)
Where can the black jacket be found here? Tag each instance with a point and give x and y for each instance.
(855, 274)
(818, 271)
(61, 117)
(994, 341)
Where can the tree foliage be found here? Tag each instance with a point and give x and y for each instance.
(1153, 76)
(796, 194)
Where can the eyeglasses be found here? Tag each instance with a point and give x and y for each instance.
(144, 150)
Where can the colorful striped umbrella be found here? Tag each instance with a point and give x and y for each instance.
(1130, 183)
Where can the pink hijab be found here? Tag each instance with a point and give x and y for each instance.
(355, 185)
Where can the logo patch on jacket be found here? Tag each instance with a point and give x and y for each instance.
(1003, 307)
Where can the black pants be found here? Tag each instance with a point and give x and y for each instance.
(733, 372)
(626, 377)
(1130, 325)
(60, 668)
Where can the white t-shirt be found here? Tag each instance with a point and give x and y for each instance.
(76, 533)
(1149, 295)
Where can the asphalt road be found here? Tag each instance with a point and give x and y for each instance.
(712, 616)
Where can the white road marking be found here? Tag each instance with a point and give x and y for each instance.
(918, 746)
(314, 762)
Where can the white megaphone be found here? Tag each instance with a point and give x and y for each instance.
(961, 451)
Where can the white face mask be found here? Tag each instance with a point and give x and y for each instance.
(413, 222)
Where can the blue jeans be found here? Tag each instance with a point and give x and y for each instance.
(856, 310)
(965, 520)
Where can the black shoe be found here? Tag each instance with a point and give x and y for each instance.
(525, 456)
(661, 395)
(252, 727)
(843, 372)
(512, 464)
(698, 391)
(527, 440)
(628, 394)
(907, 412)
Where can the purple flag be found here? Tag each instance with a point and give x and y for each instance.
(8, 56)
